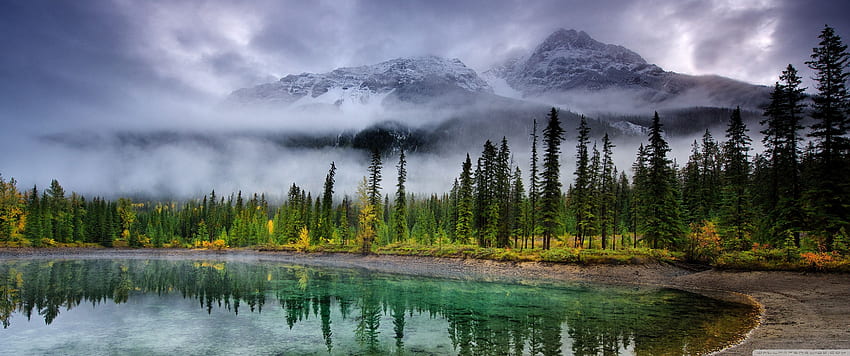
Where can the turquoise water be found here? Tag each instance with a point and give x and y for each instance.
(166, 307)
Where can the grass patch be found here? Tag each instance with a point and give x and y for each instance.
(783, 260)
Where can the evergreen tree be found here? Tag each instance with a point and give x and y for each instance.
(829, 194)
(692, 199)
(400, 226)
(581, 191)
(463, 230)
(374, 181)
(486, 200)
(550, 199)
(662, 213)
(623, 208)
(608, 192)
(711, 171)
(591, 226)
(533, 184)
(517, 208)
(781, 202)
(326, 227)
(59, 212)
(639, 208)
(503, 192)
(736, 220)
(33, 229)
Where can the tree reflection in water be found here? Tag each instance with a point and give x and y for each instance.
(482, 318)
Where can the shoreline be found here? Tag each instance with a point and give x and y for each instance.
(797, 310)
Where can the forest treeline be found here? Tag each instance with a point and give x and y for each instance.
(726, 197)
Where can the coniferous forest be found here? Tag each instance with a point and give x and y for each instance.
(788, 205)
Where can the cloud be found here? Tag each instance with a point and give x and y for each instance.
(103, 66)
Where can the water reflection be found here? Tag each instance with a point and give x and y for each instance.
(482, 318)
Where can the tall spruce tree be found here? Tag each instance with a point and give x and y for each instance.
(487, 208)
(533, 185)
(518, 208)
(400, 228)
(581, 190)
(736, 218)
(374, 181)
(828, 196)
(692, 199)
(711, 170)
(607, 192)
(59, 212)
(463, 230)
(326, 220)
(33, 229)
(639, 209)
(550, 199)
(662, 215)
(781, 203)
(503, 193)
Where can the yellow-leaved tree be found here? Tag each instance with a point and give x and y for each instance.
(367, 218)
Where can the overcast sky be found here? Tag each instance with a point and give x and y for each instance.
(98, 52)
(66, 65)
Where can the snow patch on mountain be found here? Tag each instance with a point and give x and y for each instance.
(630, 128)
(570, 63)
(414, 79)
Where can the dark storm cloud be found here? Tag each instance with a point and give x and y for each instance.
(99, 65)
(93, 52)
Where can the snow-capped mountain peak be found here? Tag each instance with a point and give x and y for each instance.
(572, 61)
(408, 79)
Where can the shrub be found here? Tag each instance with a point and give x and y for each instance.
(817, 261)
(703, 243)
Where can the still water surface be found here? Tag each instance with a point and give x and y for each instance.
(151, 307)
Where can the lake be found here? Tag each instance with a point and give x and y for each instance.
(209, 307)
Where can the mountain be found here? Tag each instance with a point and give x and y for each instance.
(569, 63)
(416, 80)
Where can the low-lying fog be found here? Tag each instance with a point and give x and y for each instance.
(180, 150)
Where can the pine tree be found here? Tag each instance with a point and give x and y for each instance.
(591, 224)
(533, 185)
(374, 180)
(608, 192)
(781, 139)
(400, 226)
(486, 199)
(736, 221)
(692, 199)
(829, 194)
(518, 207)
(463, 230)
(623, 208)
(550, 200)
(639, 208)
(326, 226)
(662, 224)
(59, 212)
(711, 171)
(33, 229)
(581, 204)
(503, 193)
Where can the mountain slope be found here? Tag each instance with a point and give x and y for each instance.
(570, 61)
(406, 80)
